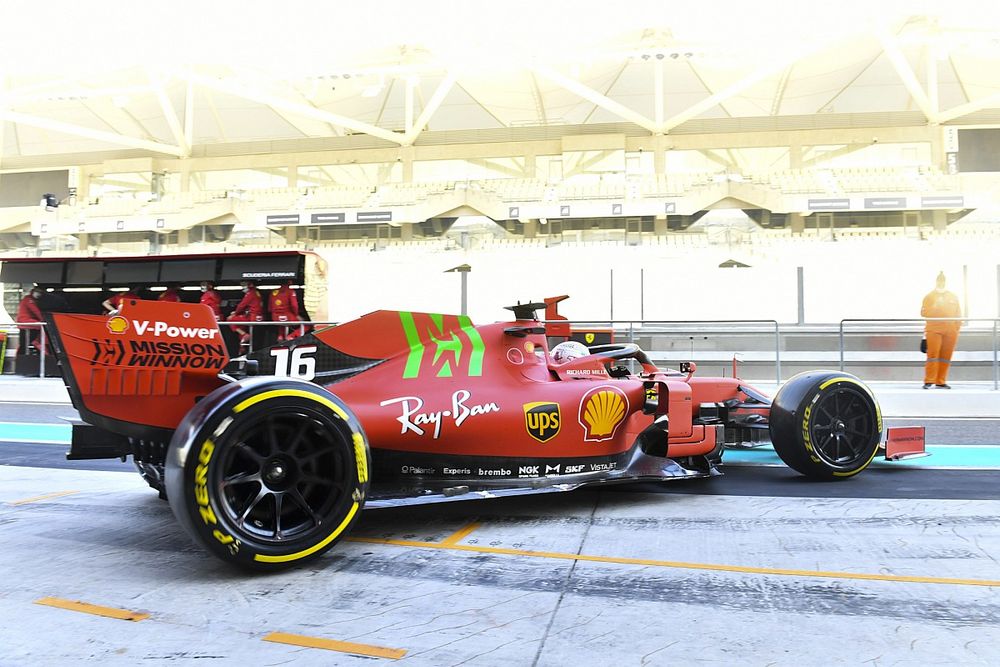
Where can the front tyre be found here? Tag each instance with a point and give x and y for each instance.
(826, 424)
(267, 473)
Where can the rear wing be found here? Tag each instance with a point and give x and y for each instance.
(138, 373)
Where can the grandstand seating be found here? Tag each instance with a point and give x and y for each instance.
(419, 200)
(859, 179)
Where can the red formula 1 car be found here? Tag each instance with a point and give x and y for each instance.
(401, 408)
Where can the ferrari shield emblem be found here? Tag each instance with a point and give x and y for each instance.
(542, 420)
(588, 338)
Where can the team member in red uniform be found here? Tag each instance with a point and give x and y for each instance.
(29, 312)
(171, 294)
(283, 305)
(113, 303)
(249, 309)
(211, 298)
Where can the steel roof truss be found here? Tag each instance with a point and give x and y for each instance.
(89, 133)
(169, 113)
(238, 89)
(751, 79)
(429, 110)
(595, 97)
(906, 74)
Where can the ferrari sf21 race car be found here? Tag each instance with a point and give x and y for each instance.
(268, 460)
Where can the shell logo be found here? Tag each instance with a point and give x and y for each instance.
(117, 324)
(602, 410)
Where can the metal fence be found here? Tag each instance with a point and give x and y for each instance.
(893, 327)
(764, 335)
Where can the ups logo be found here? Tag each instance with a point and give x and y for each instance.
(542, 420)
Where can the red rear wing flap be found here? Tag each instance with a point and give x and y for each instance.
(141, 369)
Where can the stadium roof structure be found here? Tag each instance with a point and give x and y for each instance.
(85, 82)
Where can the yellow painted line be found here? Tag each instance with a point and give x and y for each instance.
(461, 534)
(773, 571)
(97, 610)
(47, 496)
(334, 645)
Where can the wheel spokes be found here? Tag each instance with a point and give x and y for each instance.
(242, 478)
(293, 444)
(319, 452)
(278, 498)
(250, 452)
(317, 480)
(842, 426)
(261, 494)
(299, 500)
(272, 437)
(297, 459)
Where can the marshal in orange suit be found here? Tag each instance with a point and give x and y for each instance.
(941, 335)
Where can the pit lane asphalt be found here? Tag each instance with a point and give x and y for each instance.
(587, 578)
(719, 570)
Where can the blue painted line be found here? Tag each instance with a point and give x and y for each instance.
(941, 456)
(44, 433)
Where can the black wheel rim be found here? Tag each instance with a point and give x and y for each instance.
(842, 425)
(285, 476)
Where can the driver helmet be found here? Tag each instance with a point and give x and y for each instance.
(568, 350)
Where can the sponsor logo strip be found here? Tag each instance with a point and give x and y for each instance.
(413, 418)
(542, 420)
(117, 324)
(335, 645)
(158, 354)
(96, 610)
(602, 410)
(533, 468)
(450, 349)
(682, 565)
(163, 329)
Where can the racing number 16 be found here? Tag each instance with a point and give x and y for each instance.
(300, 365)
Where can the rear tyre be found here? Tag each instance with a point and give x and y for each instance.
(267, 474)
(826, 424)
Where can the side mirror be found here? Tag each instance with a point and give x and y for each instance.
(688, 367)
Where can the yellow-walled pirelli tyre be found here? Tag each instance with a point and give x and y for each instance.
(826, 424)
(268, 473)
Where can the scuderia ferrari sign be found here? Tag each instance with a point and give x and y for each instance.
(542, 420)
